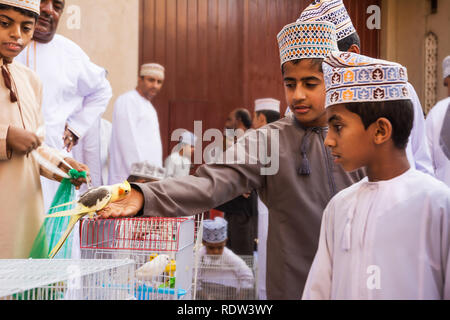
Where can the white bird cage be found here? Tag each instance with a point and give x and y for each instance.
(220, 278)
(58, 279)
(142, 239)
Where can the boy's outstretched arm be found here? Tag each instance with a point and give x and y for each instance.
(211, 186)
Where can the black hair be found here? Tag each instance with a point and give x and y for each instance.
(271, 116)
(25, 12)
(399, 112)
(346, 43)
(244, 116)
(317, 62)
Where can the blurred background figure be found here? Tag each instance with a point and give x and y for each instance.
(178, 164)
(241, 213)
(438, 131)
(143, 172)
(266, 111)
(222, 274)
(135, 132)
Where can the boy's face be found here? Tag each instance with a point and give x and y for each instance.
(304, 88)
(214, 249)
(350, 143)
(16, 31)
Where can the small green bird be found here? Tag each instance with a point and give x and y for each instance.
(89, 203)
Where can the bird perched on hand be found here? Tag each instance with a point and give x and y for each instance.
(153, 268)
(89, 203)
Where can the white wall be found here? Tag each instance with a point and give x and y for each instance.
(405, 24)
(108, 32)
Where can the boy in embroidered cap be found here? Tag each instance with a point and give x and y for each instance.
(295, 184)
(21, 133)
(334, 11)
(220, 268)
(387, 236)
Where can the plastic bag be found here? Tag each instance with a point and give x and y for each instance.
(52, 229)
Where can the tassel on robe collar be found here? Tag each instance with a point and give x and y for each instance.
(305, 169)
(8, 79)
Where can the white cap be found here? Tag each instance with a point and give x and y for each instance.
(333, 11)
(215, 231)
(188, 138)
(30, 5)
(147, 170)
(152, 70)
(446, 67)
(267, 104)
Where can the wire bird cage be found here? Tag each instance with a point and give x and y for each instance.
(226, 277)
(65, 279)
(148, 241)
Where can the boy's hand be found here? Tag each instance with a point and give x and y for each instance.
(126, 207)
(70, 140)
(79, 167)
(22, 141)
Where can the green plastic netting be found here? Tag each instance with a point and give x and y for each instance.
(53, 228)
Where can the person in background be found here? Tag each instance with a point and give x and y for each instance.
(266, 111)
(438, 131)
(143, 172)
(241, 213)
(135, 127)
(178, 164)
(222, 275)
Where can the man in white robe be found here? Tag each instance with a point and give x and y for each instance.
(266, 111)
(178, 164)
(75, 93)
(438, 131)
(387, 236)
(135, 134)
(335, 12)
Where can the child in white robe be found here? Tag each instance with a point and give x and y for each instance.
(387, 236)
(223, 274)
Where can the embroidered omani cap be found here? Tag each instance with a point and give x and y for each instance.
(350, 77)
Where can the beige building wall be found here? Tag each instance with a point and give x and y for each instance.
(108, 31)
(405, 24)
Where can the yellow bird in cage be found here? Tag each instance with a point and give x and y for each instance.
(89, 203)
